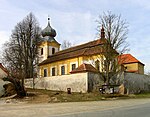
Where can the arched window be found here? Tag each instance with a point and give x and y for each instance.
(97, 64)
(73, 66)
(45, 72)
(53, 50)
(62, 70)
(41, 51)
(53, 71)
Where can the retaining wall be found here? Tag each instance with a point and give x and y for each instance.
(77, 82)
(136, 83)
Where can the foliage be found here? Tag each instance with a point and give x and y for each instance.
(18, 86)
(66, 44)
(20, 52)
(114, 34)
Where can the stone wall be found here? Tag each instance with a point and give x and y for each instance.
(136, 83)
(77, 82)
(94, 81)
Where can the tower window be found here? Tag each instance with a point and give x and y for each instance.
(41, 51)
(97, 65)
(45, 72)
(53, 50)
(62, 70)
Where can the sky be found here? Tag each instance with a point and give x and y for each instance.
(75, 20)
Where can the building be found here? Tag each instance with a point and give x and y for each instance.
(54, 62)
(3, 71)
(76, 68)
(131, 64)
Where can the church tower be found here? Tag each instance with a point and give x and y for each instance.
(48, 45)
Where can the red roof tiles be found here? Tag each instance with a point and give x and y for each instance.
(90, 48)
(84, 68)
(127, 58)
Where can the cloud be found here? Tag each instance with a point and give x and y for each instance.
(72, 26)
(74, 20)
(4, 36)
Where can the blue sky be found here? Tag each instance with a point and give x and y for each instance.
(74, 20)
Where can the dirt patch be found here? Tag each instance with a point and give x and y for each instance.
(47, 96)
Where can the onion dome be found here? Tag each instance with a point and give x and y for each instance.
(48, 31)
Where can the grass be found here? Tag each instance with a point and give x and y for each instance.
(58, 96)
(64, 97)
(41, 95)
(142, 95)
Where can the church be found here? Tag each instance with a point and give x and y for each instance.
(77, 68)
(56, 62)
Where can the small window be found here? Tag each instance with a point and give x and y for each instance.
(97, 64)
(73, 66)
(45, 72)
(53, 71)
(62, 70)
(105, 65)
(41, 51)
(53, 50)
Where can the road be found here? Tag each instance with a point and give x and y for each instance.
(113, 108)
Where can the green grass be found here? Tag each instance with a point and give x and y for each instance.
(143, 95)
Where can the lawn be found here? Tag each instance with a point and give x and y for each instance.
(47, 96)
(58, 96)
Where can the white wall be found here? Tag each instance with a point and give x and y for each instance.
(77, 82)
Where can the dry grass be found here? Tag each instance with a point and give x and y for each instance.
(47, 96)
(58, 96)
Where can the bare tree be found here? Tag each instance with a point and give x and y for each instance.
(66, 44)
(21, 51)
(113, 32)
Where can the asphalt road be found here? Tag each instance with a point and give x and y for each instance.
(131, 111)
(114, 108)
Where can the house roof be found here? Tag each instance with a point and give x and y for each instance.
(84, 68)
(3, 68)
(86, 49)
(127, 59)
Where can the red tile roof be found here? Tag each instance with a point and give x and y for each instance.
(127, 58)
(84, 68)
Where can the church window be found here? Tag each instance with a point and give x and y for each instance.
(45, 72)
(73, 66)
(97, 64)
(53, 50)
(62, 70)
(53, 71)
(41, 51)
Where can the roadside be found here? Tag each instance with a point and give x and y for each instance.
(66, 109)
(45, 96)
